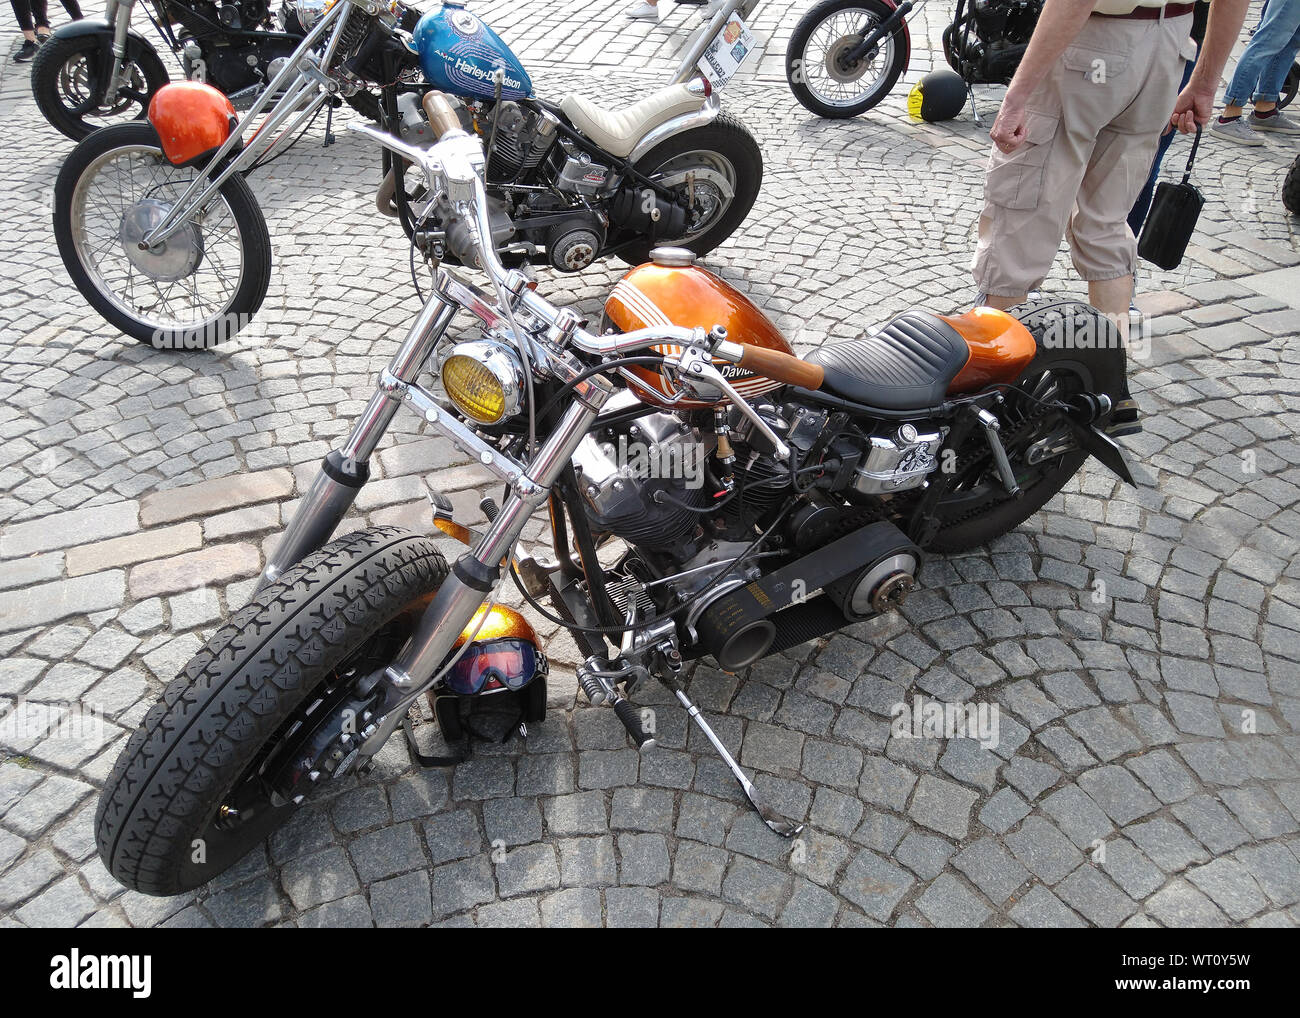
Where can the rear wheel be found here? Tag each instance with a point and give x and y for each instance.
(720, 166)
(817, 67)
(976, 508)
(275, 696)
(364, 102)
(68, 80)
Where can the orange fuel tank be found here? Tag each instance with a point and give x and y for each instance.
(671, 291)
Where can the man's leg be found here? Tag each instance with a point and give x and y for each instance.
(1273, 74)
(1112, 298)
(1274, 32)
(1138, 213)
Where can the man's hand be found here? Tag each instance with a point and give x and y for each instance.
(1008, 131)
(1194, 106)
(1058, 24)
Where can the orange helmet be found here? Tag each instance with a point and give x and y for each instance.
(191, 118)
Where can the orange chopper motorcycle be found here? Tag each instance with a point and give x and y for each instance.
(748, 500)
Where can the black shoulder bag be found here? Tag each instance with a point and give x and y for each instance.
(1169, 225)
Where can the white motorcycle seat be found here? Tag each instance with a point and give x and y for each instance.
(618, 131)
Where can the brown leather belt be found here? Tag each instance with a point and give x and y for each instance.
(1153, 13)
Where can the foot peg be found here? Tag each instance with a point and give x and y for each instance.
(631, 719)
(785, 828)
(1124, 419)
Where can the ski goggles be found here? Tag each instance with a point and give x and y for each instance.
(495, 665)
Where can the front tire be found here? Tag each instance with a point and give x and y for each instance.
(820, 79)
(724, 155)
(165, 803)
(120, 172)
(68, 79)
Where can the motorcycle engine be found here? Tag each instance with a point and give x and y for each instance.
(523, 138)
(641, 480)
(1000, 36)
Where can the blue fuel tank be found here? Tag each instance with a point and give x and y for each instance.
(459, 54)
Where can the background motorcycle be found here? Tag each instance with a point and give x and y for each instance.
(80, 82)
(822, 490)
(845, 55)
(572, 181)
(669, 167)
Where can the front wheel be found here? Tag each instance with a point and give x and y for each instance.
(264, 714)
(817, 67)
(976, 507)
(719, 168)
(199, 286)
(69, 76)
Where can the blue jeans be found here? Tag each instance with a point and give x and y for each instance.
(1268, 57)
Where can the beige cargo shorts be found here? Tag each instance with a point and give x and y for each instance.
(1092, 128)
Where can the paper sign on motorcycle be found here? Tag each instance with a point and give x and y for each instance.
(726, 52)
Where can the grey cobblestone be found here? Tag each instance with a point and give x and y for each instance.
(1125, 775)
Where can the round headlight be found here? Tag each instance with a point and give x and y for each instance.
(309, 11)
(484, 380)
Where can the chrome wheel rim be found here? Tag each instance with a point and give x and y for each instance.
(77, 96)
(188, 282)
(829, 79)
(714, 184)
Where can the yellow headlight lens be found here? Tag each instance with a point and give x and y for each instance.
(475, 390)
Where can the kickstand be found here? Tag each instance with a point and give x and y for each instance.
(970, 91)
(783, 827)
(329, 125)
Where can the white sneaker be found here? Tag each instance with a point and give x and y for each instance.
(1278, 123)
(644, 12)
(1236, 131)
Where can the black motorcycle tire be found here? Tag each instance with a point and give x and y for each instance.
(1289, 87)
(1291, 188)
(235, 696)
(1096, 371)
(55, 54)
(365, 103)
(729, 138)
(794, 59)
(255, 240)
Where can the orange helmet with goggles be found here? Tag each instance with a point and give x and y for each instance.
(191, 118)
(503, 655)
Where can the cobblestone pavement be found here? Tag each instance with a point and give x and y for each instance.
(1143, 646)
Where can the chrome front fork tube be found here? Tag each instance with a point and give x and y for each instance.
(119, 16)
(346, 469)
(206, 184)
(476, 572)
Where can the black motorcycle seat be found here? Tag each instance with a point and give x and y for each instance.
(907, 365)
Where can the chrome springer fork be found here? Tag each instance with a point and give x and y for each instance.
(294, 98)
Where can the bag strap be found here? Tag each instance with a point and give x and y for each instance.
(1192, 155)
